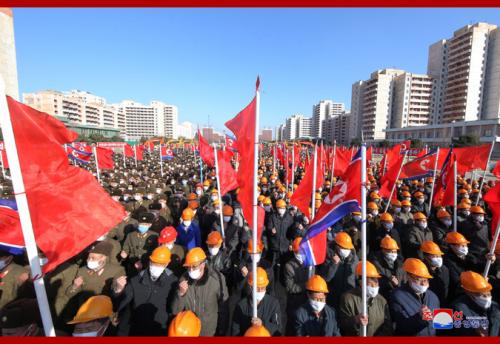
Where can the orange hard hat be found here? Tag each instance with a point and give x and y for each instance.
(416, 267)
(497, 247)
(280, 204)
(192, 197)
(267, 201)
(396, 203)
(463, 205)
(260, 247)
(195, 256)
(227, 210)
(187, 214)
(160, 255)
(473, 282)
(405, 203)
(477, 210)
(296, 244)
(257, 331)
(214, 238)
(430, 247)
(389, 243)
(289, 194)
(96, 307)
(442, 213)
(344, 240)
(262, 280)
(193, 204)
(405, 194)
(185, 324)
(371, 270)
(317, 284)
(419, 216)
(372, 206)
(374, 195)
(418, 194)
(167, 234)
(456, 238)
(261, 198)
(386, 217)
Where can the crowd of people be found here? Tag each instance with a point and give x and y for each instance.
(172, 268)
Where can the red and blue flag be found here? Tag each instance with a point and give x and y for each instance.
(79, 155)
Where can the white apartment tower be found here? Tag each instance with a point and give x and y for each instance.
(321, 111)
(466, 68)
(337, 129)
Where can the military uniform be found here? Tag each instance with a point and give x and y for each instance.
(139, 246)
(11, 284)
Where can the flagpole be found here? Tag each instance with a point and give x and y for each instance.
(218, 192)
(492, 250)
(201, 169)
(333, 160)
(97, 165)
(24, 213)
(135, 155)
(293, 165)
(161, 163)
(363, 235)
(124, 155)
(255, 204)
(274, 158)
(287, 167)
(394, 186)
(455, 196)
(433, 182)
(485, 169)
(313, 198)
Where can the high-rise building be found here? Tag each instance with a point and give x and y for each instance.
(266, 135)
(337, 129)
(297, 126)
(411, 101)
(372, 102)
(321, 111)
(8, 65)
(78, 108)
(279, 133)
(186, 130)
(467, 72)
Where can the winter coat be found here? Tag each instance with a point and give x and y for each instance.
(307, 324)
(268, 310)
(471, 310)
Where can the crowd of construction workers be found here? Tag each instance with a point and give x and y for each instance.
(171, 268)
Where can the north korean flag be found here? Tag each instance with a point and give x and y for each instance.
(166, 153)
(231, 143)
(79, 155)
(420, 167)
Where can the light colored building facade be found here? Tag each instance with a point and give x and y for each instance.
(186, 130)
(337, 129)
(279, 132)
(266, 135)
(8, 65)
(297, 126)
(412, 100)
(78, 108)
(321, 111)
(467, 69)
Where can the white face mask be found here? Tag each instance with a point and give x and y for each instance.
(422, 225)
(93, 265)
(344, 253)
(388, 225)
(371, 291)
(170, 246)
(357, 218)
(155, 271)
(86, 334)
(227, 218)
(437, 262)
(417, 288)
(465, 213)
(397, 210)
(213, 250)
(205, 188)
(186, 223)
(281, 212)
(420, 201)
(199, 192)
(195, 274)
(267, 207)
(447, 222)
(299, 257)
(375, 212)
(214, 197)
(257, 257)
(316, 305)
(460, 250)
(479, 218)
(138, 198)
(260, 295)
(391, 257)
(217, 211)
(483, 302)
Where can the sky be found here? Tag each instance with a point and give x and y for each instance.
(205, 61)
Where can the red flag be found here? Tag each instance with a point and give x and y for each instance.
(140, 152)
(302, 196)
(243, 127)
(342, 161)
(105, 158)
(421, 153)
(470, 158)
(206, 151)
(405, 145)
(420, 166)
(129, 152)
(389, 179)
(53, 188)
(231, 143)
(451, 184)
(443, 182)
(227, 175)
(492, 198)
(496, 170)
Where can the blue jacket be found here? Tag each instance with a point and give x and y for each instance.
(306, 323)
(472, 312)
(405, 312)
(189, 238)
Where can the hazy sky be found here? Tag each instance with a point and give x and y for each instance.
(206, 61)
